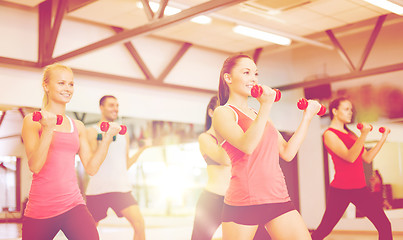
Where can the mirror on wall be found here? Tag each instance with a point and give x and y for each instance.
(169, 175)
(167, 178)
(380, 105)
(9, 185)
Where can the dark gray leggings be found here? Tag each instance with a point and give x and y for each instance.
(337, 202)
(208, 218)
(76, 224)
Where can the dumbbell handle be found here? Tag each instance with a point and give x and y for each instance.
(360, 126)
(257, 91)
(37, 116)
(302, 104)
(105, 126)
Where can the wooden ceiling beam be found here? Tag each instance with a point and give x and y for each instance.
(174, 61)
(344, 77)
(340, 50)
(371, 41)
(203, 8)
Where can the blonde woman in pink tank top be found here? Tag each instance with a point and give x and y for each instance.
(55, 202)
(257, 194)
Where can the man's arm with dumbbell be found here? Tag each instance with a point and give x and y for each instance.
(93, 160)
(37, 146)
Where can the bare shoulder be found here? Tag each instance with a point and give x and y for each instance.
(29, 123)
(330, 137)
(203, 137)
(28, 119)
(80, 125)
(223, 112)
(91, 130)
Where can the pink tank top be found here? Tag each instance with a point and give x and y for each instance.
(256, 178)
(54, 189)
(347, 175)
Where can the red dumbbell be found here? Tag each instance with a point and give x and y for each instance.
(302, 104)
(360, 126)
(382, 129)
(36, 116)
(257, 91)
(105, 126)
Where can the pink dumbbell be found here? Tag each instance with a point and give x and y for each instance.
(257, 91)
(382, 129)
(105, 126)
(302, 104)
(360, 126)
(37, 116)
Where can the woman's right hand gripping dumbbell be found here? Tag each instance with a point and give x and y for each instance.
(365, 127)
(265, 94)
(47, 119)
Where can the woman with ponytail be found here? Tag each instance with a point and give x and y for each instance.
(257, 193)
(55, 202)
(209, 206)
(349, 185)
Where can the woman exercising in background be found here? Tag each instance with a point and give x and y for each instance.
(348, 153)
(211, 200)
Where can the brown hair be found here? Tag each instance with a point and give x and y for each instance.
(335, 104)
(211, 105)
(103, 99)
(229, 64)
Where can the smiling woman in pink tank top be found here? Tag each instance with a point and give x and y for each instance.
(55, 202)
(257, 193)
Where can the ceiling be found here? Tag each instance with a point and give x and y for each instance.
(299, 20)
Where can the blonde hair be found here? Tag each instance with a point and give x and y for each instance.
(47, 75)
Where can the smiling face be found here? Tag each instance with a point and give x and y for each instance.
(344, 112)
(242, 77)
(59, 85)
(110, 109)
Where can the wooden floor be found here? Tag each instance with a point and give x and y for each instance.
(177, 229)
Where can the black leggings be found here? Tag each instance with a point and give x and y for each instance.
(76, 224)
(337, 202)
(208, 218)
(208, 215)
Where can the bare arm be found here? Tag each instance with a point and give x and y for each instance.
(37, 147)
(225, 125)
(334, 143)
(208, 146)
(93, 160)
(92, 135)
(288, 150)
(368, 156)
(131, 160)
